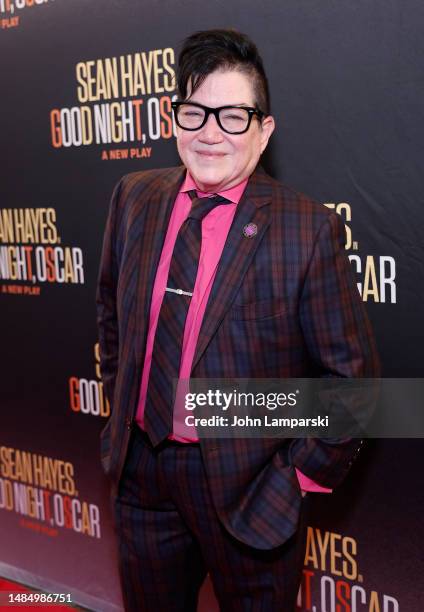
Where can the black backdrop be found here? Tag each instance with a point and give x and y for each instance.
(346, 83)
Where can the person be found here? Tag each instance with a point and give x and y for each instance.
(215, 270)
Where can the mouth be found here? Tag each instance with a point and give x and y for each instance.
(210, 154)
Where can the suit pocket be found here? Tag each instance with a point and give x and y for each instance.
(265, 309)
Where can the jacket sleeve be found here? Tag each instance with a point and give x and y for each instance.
(340, 341)
(107, 282)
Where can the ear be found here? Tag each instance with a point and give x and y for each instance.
(267, 127)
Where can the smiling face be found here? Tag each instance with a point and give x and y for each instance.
(217, 160)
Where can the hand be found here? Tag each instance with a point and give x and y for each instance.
(303, 493)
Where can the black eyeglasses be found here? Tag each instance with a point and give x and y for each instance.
(231, 119)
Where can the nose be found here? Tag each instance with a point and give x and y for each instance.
(211, 133)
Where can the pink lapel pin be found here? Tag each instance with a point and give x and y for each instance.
(250, 230)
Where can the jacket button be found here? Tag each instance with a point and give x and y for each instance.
(128, 422)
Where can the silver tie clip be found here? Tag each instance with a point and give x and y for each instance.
(179, 291)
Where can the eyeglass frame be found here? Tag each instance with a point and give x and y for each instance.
(215, 111)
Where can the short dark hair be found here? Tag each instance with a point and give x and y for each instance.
(204, 52)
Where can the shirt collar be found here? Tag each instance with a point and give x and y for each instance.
(233, 194)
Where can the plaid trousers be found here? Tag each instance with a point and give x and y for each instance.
(169, 537)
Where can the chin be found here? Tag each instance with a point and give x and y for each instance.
(208, 179)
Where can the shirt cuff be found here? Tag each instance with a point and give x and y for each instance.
(307, 484)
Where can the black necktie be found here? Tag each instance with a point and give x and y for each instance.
(166, 356)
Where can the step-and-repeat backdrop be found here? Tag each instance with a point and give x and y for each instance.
(86, 91)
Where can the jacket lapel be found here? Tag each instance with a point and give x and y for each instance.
(151, 240)
(237, 255)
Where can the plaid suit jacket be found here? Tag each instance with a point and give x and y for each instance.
(284, 304)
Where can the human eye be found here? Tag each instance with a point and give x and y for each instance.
(191, 111)
(234, 114)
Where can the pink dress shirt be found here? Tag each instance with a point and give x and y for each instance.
(215, 228)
